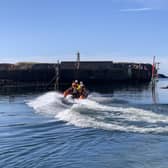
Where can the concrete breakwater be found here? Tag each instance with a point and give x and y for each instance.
(44, 75)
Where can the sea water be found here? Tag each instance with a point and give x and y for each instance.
(124, 128)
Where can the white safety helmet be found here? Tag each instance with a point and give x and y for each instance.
(82, 85)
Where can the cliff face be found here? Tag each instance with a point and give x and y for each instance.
(90, 72)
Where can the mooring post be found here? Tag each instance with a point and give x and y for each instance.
(153, 72)
(155, 68)
(57, 76)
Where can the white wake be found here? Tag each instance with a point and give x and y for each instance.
(90, 113)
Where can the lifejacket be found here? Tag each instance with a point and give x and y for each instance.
(79, 88)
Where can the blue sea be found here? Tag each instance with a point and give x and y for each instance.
(123, 128)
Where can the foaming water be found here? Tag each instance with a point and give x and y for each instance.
(97, 112)
(49, 103)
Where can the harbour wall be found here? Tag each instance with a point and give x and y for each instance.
(45, 75)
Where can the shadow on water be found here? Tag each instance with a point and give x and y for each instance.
(101, 88)
(112, 88)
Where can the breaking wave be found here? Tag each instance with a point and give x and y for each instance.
(95, 112)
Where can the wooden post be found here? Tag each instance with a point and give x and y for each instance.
(57, 76)
(155, 68)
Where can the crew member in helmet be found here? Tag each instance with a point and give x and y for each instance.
(76, 83)
(82, 91)
(75, 93)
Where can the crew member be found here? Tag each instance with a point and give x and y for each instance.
(76, 83)
(70, 90)
(75, 93)
(82, 91)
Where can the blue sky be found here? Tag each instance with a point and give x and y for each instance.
(118, 30)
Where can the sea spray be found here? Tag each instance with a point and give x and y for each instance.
(89, 113)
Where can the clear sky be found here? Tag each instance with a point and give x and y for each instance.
(118, 30)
